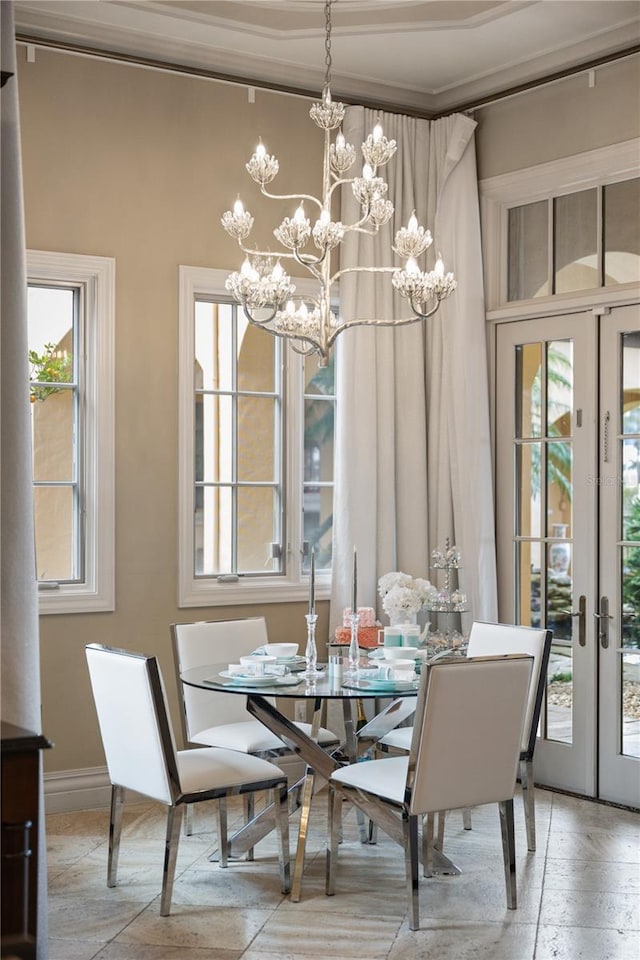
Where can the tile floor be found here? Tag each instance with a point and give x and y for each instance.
(578, 895)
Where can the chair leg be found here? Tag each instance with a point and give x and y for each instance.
(188, 819)
(281, 800)
(410, 830)
(427, 845)
(334, 820)
(223, 841)
(466, 818)
(509, 851)
(115, 830)
(249, 809)
(174, 824)
(528, 799)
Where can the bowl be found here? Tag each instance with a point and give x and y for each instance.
(257, 659)
(400, 653)
(406, 666)
(282, 650)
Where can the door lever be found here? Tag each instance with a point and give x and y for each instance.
(581, 614)
(603, 619)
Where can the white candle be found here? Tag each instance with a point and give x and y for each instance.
(312, 584)
(354, 603)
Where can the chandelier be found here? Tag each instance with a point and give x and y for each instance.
(262, 285)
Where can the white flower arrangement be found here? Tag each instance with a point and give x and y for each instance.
(404, 596)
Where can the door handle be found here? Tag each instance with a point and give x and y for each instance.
(581, 614)
(603, 618)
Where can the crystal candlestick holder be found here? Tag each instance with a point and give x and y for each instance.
(354, 649)
(311, 653)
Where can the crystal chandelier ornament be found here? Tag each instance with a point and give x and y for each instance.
(262, 286)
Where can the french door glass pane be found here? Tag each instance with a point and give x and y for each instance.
(528, 395)
(629, 697)
(559, 487)
(631, 382)
(576, 241)
(529, 502)
(54, 511)
(621, 216)
(559, 698)
(559, 388)
(529, 598)
(256, 439)
(528, 244)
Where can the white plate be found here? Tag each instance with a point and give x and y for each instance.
(266, 680)
(289, 681)
(382, 685)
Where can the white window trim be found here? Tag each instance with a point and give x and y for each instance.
(207, 591)
(97, 274)
(620, 161)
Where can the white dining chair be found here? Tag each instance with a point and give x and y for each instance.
(465, 748)
(493, 639)
(213, 718)
(141, 755)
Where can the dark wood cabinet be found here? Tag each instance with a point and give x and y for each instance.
(20, 758)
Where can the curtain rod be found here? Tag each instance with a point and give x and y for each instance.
(467, 106)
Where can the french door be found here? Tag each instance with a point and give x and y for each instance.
(568, 532)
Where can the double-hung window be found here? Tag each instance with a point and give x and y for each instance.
(256, 455)
(70, 343)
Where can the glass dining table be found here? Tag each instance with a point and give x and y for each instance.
(393, 706)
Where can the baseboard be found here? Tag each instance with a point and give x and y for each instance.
(67, 790)
(90, 788)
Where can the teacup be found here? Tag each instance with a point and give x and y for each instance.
(390, 637)
(397, 670)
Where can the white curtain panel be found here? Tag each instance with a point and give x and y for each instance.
(413, 457)
(19, 601)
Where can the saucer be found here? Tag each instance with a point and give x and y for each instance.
(244, 679)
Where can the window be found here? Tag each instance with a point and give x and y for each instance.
(256, 455)
(563, 232)
(70, 342)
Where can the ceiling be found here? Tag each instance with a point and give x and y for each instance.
(424, 55)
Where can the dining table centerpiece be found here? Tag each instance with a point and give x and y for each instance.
(403, 596)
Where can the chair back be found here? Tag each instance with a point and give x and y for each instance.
(213, 641)
(492, 639)
(467, 731)
(134, 721)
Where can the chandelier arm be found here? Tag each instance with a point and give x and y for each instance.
(265, 253)
(375, 322)
(260, 323)
(309, 261)
(344, 270)
(291, 196)
(425, 316)
(313, 344)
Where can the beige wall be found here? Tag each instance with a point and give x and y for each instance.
(140, 165)
(560, 119)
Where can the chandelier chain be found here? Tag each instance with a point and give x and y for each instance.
(327, 44)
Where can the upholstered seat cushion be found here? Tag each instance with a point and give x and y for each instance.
(209, 767)
(400, 738)
(251, 736)
(386, 778)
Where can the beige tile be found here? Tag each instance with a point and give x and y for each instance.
(146, 951)
(586, 943)
(583, 875)
(458, 940)
(597, 845)
(75, 919)
(329, 935)
(588, 908)
(570, 815)
(73, 949)
(196, 926)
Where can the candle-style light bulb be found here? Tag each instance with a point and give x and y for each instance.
(261, 151)
(412, 267)
(299, 214)
(367, 172)
(340, 141)
(304, 313)
(277, 272)
(246, 269)
(377, 132)
(238, 208)
(439, 267)
(324, 217)
(412, 225)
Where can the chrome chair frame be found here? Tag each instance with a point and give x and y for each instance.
(386, 810)
(177, 798)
